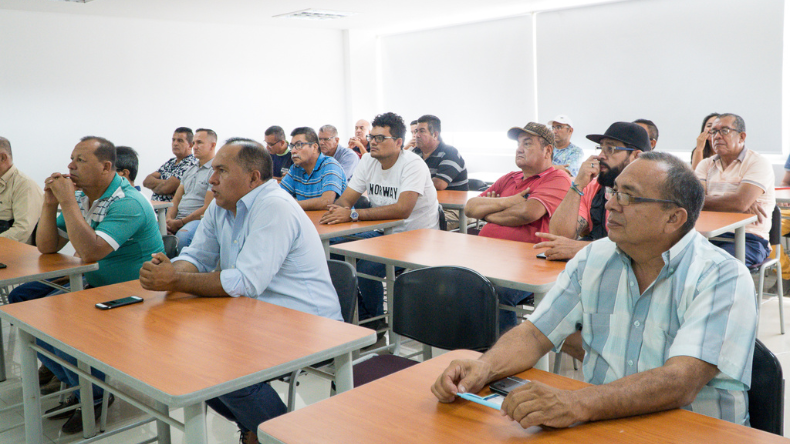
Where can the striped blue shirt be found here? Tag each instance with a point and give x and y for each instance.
(327, 175)
(701, 305)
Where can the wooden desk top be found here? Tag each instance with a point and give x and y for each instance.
(455, 200)
(400, 408)
(179, 348)
(782, 195)
(158, 205)
(501, 261)
(25, 263)
(349, 228)
(714, 223)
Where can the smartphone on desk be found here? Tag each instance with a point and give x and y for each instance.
(119, 302)
(2, 265)
(505, 385)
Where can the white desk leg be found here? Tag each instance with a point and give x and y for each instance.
(161, 216)
(740, 244)
(162, 428)
(543, 363)
(462, 220)
(344, 373)
(394, 338)
(325, 243)
(75, 282)
(2, 355)
(86, 396)
(195, 424)
(31, 398)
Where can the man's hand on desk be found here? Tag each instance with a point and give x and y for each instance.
(336, 215)
(464, 376)
(560, 248)
(158, 273)
(536, 404)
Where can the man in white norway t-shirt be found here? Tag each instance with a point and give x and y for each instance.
(399, 186)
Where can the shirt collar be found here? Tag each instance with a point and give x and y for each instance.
(5, 177)
(114, 185)
(671, 257)
(740, 157)
(541, 174)
(248, 199)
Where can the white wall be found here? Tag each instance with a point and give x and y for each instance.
(134, 81)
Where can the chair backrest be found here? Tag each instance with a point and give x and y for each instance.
(766, 395)
(344, 279)
(775, 235)
(442, 219)
(446, 307)
(477, 185)
(171, 245)
(362, 202)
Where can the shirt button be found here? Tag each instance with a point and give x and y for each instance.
(630, 363)
(235, 242)
(636, 323)
(671, 270)
(632, 283)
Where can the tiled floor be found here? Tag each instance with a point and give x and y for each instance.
(311, 389)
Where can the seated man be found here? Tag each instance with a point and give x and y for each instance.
(193, 195)
(109, 222)
(165, 181)
(738, 180)
(329, 142)
(652, 131)
(399, 186)
(255, 242)
(274, 136)
(668, 319)
(314, 180)
(567, 156)
(126, 162)
(359, 142)
(20, 199)
(521, 203)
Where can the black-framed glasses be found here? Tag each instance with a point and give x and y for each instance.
(625, 199)
(609, 150)
(724, 131)
(298, 145)
(379, 138)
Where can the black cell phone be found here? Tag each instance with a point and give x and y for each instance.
(505, 385)
(2, 265)
(541, 255)
(119, 302)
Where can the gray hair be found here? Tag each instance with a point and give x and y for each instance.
(740, 125)
(681, 186)
(252, 156)
(328, 129)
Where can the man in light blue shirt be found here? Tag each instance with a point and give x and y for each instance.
(668, 320)
(329, 142)
(266, 248)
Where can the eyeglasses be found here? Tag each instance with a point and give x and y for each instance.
(379, 138)
(609, 150)
(724, 131)
(624, 199)
(325, 139)
(559, 127)
(298, 145)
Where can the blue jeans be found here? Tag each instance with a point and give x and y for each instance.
(32, 290)
(757, 248)
(186, 233)
(249, 406)
(509, 297)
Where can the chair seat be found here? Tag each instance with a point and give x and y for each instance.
(379, 367)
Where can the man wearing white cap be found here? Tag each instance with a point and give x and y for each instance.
(567, 156)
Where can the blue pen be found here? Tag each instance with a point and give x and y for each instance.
(481, 400)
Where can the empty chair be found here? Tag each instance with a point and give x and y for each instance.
(477, 185)
(767, 393)
(171, 245)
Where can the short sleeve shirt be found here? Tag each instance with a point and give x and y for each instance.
(384, 187)
(347, 159)
(446, 163)
(548, 188)
(571, 155)
(196, 185)
(749, 167)
(170, 169)
(125, 219)
(327, 175)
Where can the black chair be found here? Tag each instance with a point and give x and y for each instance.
(477, 185)
(767, 393)
(442, 219)
(362, 202)
(444, 307)
(775, 239)
(171, 245)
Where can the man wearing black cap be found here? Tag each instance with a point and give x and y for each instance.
(581, 217)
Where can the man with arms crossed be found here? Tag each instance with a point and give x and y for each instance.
(669, 319)
(165, 181)
(266, 248)
(328, 140)
(314, 180)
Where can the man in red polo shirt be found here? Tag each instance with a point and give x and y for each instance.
(521, 203)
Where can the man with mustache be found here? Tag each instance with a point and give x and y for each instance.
(314, 180)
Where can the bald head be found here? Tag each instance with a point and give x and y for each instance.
(362, 129)
(5, 146)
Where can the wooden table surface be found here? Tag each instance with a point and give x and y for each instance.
(25, 263)
(348, 228)
(400, 408)
(455, 200)
(714, 223)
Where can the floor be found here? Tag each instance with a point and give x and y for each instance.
(311, 389)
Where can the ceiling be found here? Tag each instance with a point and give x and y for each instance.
(383, 17)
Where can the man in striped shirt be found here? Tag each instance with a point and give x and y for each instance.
(669, 320)
(314, 180)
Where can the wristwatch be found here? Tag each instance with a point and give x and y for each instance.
(354, 215)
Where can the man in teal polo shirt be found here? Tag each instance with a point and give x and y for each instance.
(315, 180)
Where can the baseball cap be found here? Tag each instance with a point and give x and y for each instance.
(562, 119)
(626, 132)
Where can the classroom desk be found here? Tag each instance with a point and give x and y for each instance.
(177, 349)
(713, 223)
(782, 195)
(160, 208)
(400, 408)
(26, 264)
(326, 232)
(456, 200)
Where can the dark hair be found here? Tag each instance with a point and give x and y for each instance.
(434, 124)
(331, 129)
(187, 131)
(708, 150)
(652, 129)
(5, 145)
(308, 133)
(413, 122)
(252, 156)
(393, 121)
(680, 186)
(211, 133)
(278, 132)
(126, 159)
(740, 125)
(106, 150)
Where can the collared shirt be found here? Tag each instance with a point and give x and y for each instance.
(701, 305)
(268, 251)
(173, 168)
(327, 175)
(571, 155)
(196, 185)
(281, 163)
(749, 167)
(446, 163)
(20, 200)
(347, 159)
(548, 188)
(125, 219)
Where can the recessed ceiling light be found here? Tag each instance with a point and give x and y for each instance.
(316, 14)
(75, 1)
